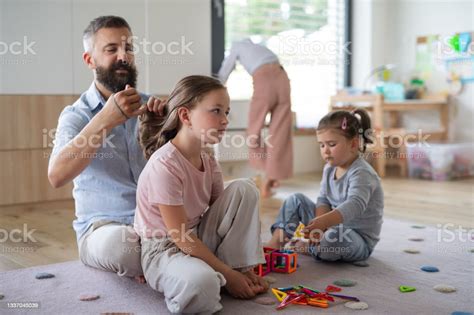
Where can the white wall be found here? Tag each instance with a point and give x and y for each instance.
(56, 27)
(361, 41)
(370, 23)
(306, 155)
(177, 21)
(386, 32)
(418, 18)
(45, 26)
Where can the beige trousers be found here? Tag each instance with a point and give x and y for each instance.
(111, 246)
(231, 230)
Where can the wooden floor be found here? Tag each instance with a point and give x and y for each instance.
(41, 234)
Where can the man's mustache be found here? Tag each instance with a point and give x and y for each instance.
(122, 66)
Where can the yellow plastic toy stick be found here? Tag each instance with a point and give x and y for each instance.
(280, 295)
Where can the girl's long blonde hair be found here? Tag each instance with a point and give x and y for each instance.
(155, 130)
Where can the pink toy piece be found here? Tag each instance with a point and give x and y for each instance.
(324, 296)
(265, 269)
(309, 292)
(290, 299)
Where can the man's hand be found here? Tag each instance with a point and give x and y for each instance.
(127, 104)
(121, 106)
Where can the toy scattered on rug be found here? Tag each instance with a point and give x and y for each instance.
(281, 261)
(88, 297)
(304, 295)
(429, 268)
(345, 283)
(357, 305)
(406, 289)
(299, 232)
(298, 238)
(411, 251)
(44, 275)
(444, 288)
(265, 300)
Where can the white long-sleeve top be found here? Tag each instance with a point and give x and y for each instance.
(250, 55)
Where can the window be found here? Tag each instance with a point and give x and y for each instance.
(309, 36)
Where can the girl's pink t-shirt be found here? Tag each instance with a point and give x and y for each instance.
(170, 179)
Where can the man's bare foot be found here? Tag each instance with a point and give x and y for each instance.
(140, 279)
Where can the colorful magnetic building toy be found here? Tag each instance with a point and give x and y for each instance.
(303, 295)
(282, 261)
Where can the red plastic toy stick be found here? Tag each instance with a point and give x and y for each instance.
(331, 288)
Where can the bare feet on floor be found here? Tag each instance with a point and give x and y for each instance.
(278, 240)
(260, 284)
(266, 187)
(245, 285)
(140, 279)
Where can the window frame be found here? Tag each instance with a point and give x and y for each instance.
(218, 38)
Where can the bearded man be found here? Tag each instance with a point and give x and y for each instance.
(96, 147)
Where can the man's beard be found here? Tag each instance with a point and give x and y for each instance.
(116, 82)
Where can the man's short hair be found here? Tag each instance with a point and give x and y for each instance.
(108, 21)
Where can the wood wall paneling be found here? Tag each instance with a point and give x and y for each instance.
(25, 146)
(24, 178)
(25, 117)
